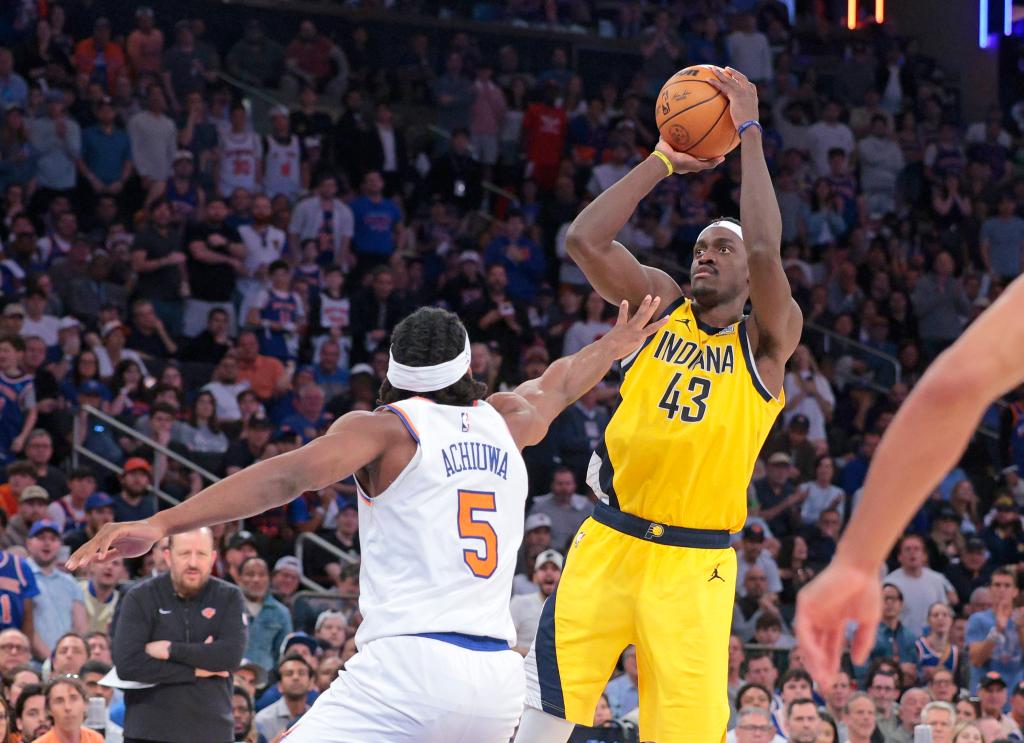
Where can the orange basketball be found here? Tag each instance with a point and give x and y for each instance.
(693, 117)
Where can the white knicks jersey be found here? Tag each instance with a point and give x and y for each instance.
(282, 168)
(240, 154)
(439, 545)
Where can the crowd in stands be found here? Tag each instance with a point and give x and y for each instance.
(225, 282)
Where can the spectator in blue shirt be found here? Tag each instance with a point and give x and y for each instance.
(17, 591)
(893, 640)
(375, 219)
(13, 88)
(329, 373)
(622, 691)
(522, 258)
(106, 153)
(994, 635)
(58, 140)
(60, 606)
(309, 418)
(1002, 240)
(578, 431)
(851, 477)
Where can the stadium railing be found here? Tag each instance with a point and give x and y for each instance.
(830, 336)
(79, 451)
(307, 605)
(259, 101)
(319, 542)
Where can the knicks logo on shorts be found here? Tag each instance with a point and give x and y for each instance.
(655, 531)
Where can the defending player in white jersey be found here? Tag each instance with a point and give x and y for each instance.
(442, 492)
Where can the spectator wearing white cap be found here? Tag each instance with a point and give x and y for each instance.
(332, 629)
(286, 579)
(566, 508)
(13, 320)
(1014, 483)
(468, 285)
(182, 190)
(526, 608)
(112, 351)
(66, 339)
(536, 539)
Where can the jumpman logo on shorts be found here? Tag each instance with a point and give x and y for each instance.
(715, 574)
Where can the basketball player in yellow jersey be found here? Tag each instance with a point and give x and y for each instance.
(653, 567)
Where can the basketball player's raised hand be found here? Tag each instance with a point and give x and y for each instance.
(843, 592)
(628, 334)
(742, 93)
(683, 163)
(126, 539)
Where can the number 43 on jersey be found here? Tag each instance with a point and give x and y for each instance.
(693, 408)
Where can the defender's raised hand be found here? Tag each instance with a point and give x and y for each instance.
(628, 334)
(125, 539)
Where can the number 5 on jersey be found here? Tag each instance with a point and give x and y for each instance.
(482, 562)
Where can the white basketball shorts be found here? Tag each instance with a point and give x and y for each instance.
(410, 689)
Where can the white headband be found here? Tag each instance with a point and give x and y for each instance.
(731, 226)
(429, 378)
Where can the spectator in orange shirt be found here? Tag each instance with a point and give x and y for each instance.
(66, 705)
(99, 57)
(145, 44)
(266, 375)
(20, 475)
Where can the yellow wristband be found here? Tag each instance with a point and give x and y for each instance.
(664, 158)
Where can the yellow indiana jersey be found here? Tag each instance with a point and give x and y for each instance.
(681, 447)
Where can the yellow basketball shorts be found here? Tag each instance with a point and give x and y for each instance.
(629, 581)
